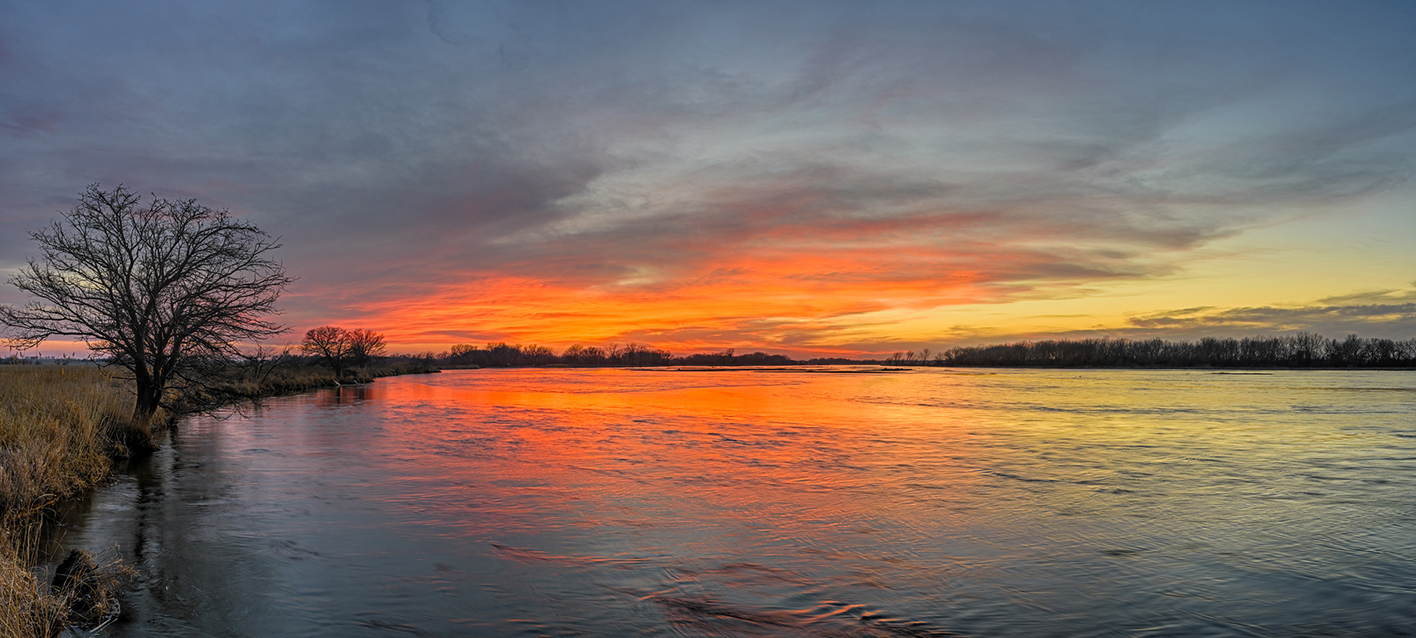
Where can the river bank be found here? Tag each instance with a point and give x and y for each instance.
(63, 430)
(58, 431)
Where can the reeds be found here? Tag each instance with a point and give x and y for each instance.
(246, 383)
(83, 597)
(27, 608)
(60, 427)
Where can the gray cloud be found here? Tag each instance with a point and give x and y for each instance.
(1387, 314)
(400, 148)
(1390, 320)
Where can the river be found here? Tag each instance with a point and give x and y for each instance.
(808, 502)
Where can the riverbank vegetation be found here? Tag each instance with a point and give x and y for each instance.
(506, 355)
(61, 428)
(165, 290)
(1301, 350)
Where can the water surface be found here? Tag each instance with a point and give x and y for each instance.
(761, 503)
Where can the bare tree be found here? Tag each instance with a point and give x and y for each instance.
(330, 344)
(341, 349)
(166, 291)
(364, 345)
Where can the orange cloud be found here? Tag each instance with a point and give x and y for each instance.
(760, 298)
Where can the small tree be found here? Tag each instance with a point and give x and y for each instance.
(166, 291)
(330, 345)
(364, 345)
(341, 349)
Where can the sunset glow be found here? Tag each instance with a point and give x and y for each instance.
(805, 178)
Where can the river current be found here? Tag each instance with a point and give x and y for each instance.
(801, 502)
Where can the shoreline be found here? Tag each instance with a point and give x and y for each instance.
(66, 431)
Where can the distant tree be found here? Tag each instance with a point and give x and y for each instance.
(342, 349)
(578, 355)
(329, 344)
(1297, 350)
(636, 354)
(574, 355)
(167, 291)
(1348, 352)
(364, 346)
(502, 354)
(537, 355)
(462, 354)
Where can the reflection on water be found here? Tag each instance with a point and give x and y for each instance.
(925, 503)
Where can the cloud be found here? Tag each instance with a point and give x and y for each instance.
(1384, 317)
(1388, 313)
(625, 170)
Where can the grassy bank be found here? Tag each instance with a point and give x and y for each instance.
(254, 383)
(60, 429)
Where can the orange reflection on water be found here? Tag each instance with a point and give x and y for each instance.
(644, 502)
(735, 442)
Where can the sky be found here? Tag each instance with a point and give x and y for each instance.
(810, 178)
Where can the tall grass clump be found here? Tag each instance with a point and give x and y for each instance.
(82, 593)
(279, 377)
(60, 427)
(27, 609)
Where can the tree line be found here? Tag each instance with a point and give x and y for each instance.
(1300, 350)
(502, 355)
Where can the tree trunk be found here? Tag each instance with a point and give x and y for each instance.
(149, 399)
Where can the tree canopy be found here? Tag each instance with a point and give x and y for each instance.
(167, 291)
(341, 349)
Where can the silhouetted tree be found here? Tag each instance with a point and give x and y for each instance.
(328, 344)
(1297, 350)
(342, 349)
(635, 354)
(503, 354)
(167, 290)
(364, 345)
(578, 355)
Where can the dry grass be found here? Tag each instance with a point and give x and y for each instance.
(33, 608)
(288, 379)
(301, 377)
(26, 608)
(60, 426)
